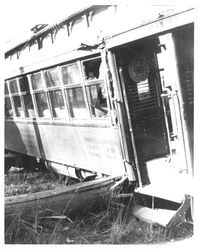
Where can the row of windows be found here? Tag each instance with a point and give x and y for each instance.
(75, 91)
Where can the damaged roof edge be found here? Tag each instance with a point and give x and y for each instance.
(48, 27)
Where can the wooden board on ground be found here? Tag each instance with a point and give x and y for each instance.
(61, 201)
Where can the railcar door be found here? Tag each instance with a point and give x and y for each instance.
(148, 70)
(138, 70)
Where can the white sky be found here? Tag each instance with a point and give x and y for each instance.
(21, 15)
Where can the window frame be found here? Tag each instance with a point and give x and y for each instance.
(40, 90)
(20, 95)
(24, 93)
(8, 95)
(80, 84)
(46, 90)
(13, 79)
(60, 87)
(48, 70)
(42, 78)
(92, 82)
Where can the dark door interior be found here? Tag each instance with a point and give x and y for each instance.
(143, 88)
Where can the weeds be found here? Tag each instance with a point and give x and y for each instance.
(113, 225)
(23, 182)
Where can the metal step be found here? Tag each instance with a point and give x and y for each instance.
(164, 217)
(165, 181)
(164, 192)
(154, 216)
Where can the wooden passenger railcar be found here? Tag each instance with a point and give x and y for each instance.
(108, 92)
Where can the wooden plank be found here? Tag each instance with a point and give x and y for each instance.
(56, 192)
(61, 201)
(130, 195)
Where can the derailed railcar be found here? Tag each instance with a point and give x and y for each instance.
(101, 93)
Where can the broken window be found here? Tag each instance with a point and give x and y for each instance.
(97, 99)
(95, 88)
(92, 69)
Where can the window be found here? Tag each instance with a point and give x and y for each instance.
(56, 97)
(92, 69)
(71, 74)
(48, 93)
(13, 86)
(79, 93)
(8, 108)
(57, 102)
(95, 88)
(6, 89)
(40, 94)
(29, 108)
(26, 97)
(77, 103)
(23, 84)
(42, 105)
(97, 98)
(51, 77)
(73, 83)
(17, 87)
(37, 82)
(18, 107)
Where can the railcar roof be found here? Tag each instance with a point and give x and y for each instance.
(71, 17)
(47, 28)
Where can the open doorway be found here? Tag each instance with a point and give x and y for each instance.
(151, 74)
(143, 88)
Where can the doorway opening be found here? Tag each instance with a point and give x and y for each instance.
(150, 73)
(142, 83)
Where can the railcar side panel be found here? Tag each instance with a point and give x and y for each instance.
(92, 148)
(21, 138)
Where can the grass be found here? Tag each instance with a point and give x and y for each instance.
(23, 182)
(113, 223)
